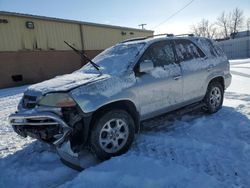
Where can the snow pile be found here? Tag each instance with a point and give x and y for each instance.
(239, 61)
(36, 165)
(240, 70)
(141, 171)
(9, 141)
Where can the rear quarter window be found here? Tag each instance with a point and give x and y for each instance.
(209, 47)
(187, 50)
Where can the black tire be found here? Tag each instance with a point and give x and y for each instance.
(213, 103)
(104, 140)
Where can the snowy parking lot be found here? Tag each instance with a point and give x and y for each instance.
(196, 150)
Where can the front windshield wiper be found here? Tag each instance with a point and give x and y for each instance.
(84, 56)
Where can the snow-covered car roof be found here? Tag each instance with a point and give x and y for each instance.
(153, 39)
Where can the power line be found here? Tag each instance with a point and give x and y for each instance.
(172, 15)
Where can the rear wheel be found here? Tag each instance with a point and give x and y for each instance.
(112, 134)
(214, 97)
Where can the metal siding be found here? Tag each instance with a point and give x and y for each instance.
(236, 48)
(99, 38)
(47, 35)
(10, 34)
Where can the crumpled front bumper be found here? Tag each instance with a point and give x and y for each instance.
(40, 118)
(35, 123)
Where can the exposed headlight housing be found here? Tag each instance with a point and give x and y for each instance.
(57, 100)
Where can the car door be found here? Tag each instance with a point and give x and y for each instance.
(194, 69)
(161, 88)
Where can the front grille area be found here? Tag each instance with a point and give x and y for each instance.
(41, 132)
(29, 101)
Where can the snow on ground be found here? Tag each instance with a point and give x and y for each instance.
(195, 150)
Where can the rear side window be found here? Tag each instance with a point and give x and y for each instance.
(217, 49)
(210, 47)
(161, 53)
(187, 50)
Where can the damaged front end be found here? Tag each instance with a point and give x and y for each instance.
(55, 119)
(42, 125)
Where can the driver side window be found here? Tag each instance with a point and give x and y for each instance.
(160, 53)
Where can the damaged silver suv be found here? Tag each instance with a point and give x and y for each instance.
(99, 107)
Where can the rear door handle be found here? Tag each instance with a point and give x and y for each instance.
(177, 77)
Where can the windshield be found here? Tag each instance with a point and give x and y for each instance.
(116, 59)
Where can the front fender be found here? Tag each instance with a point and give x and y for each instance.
(93, 96)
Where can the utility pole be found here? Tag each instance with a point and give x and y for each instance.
(142, 26)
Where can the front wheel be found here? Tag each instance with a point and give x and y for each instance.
(112, 134)
(214, 97)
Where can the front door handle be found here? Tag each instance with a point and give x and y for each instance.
(177, 77)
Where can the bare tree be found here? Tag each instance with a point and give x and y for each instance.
(231, 22)
(236, 20)
(223, 22)
(204, 29)
(248, 24)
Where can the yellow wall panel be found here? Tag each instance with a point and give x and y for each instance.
(50, 34)
(47, 35)
(99, 38)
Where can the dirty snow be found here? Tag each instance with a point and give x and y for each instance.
(195, 150)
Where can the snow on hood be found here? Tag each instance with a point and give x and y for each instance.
(66, 82)
(107, 87)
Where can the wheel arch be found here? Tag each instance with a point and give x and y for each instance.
(219, 79)
(126, 105)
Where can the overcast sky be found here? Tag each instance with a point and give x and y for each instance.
(130, 13)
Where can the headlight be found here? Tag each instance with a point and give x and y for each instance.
(57, 100)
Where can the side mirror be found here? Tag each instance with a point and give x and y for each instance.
(146, 66)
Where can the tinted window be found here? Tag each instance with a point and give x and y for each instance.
(218, 50)
(214, 49)
(211, 47)
(161, 53)
(186, 50)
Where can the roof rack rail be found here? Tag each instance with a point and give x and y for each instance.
(186, 34)
(164, 34)
(150, 36)
(134, 39)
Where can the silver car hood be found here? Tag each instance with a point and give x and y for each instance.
(64, 83)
